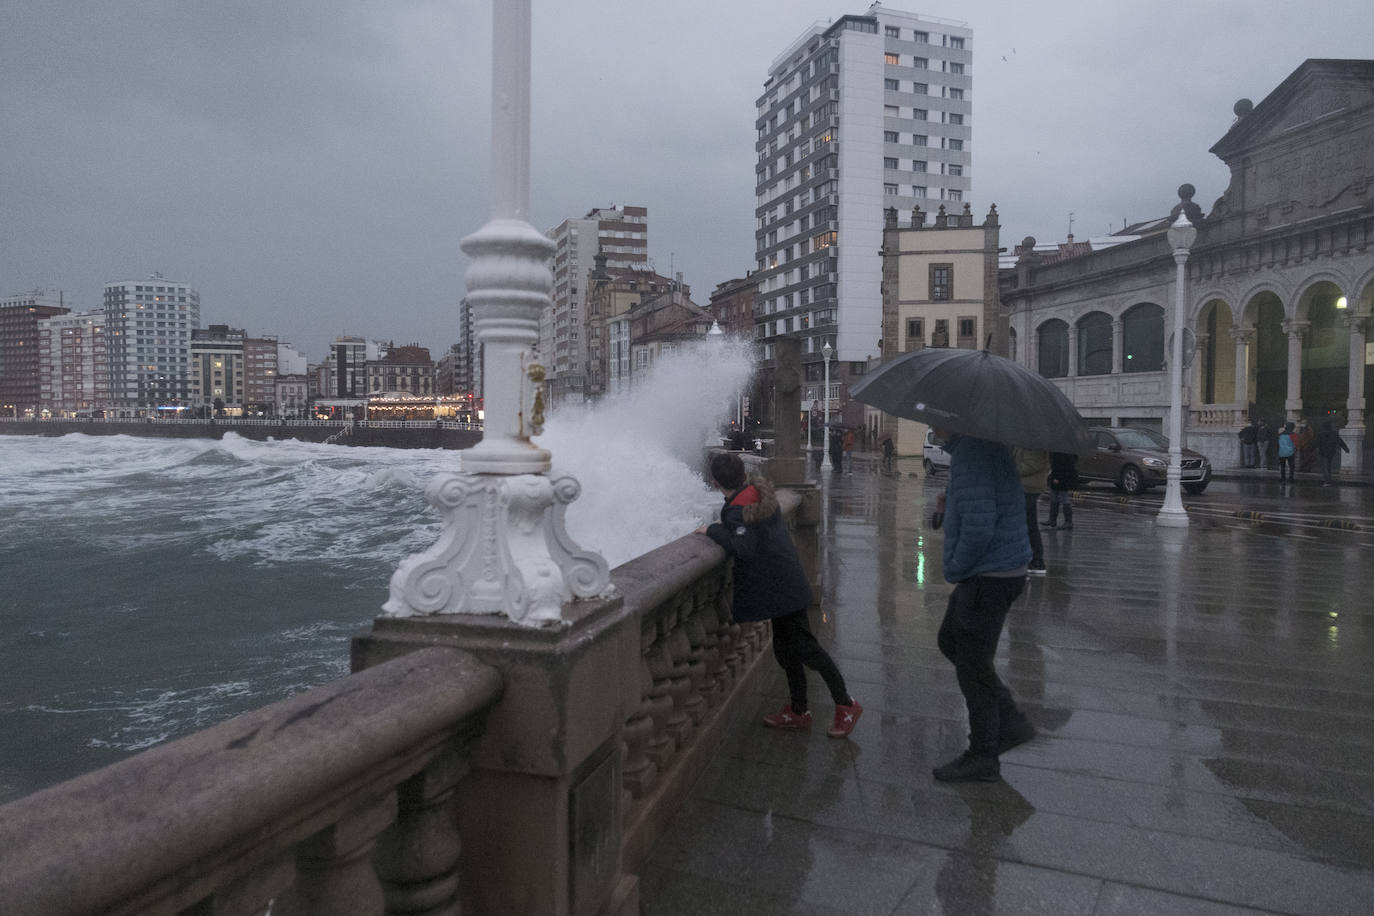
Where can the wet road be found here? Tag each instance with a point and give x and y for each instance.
(1203, 696)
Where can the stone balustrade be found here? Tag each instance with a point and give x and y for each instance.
(551, 758)
(336, 801)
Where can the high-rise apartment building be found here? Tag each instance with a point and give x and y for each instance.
(869, 112)
(148, 325)
(622, 235)
(259, 374)
(217, 371)
(73, 372)
(19, 320)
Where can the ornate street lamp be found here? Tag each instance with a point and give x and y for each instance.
(827, 351)
(504, 548)
(1181, 236)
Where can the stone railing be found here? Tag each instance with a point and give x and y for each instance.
(1216, 415)
(336, 801)
(555, 756)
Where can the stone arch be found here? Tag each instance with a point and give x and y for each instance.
(1362, 293)
(1245, 315)
(1265, 312)
(1142, 338)
(1215, 360)
(1325, 346)
(1052, 348)
(1095, 343)
(1314, 287)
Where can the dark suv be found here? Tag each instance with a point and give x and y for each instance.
(1135, 459)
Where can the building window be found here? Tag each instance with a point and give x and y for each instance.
(915, 334)
(956, 94)
(956, 68)
(920, 114)
(1142, 338)
(1053, 346)
(920, 88)
(956, 145)
(956, 118)
(892, 85)
(1095, 344)
(892, 59)
(941, 336)
(890, 136)
(920, 140)
(890, 190)
(920, 63)
(891, 111)
(918, 165)
(921, 37)
(919, 190)
(968, 333)
(956, 170)
(889, 162)
(891, 31)
(956, 42)
(955, 194)
(941, 282)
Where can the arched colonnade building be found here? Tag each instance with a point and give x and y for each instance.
(1279, 283)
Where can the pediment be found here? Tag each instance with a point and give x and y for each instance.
(1314, 93)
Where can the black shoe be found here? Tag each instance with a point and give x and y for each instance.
(969, 767)
(1068, 526)
(1050, 525)
(1015, 735)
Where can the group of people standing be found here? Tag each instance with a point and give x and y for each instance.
(1292, 447)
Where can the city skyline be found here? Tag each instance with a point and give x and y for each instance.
(312, 173)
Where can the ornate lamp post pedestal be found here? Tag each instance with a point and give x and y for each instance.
(1181, 236)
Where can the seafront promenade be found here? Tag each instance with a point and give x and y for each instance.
(448, 434)
(1206, 723)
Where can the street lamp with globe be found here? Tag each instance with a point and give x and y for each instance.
(827, 351)
(1181, 236)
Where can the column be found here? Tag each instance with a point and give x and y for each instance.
(1354, 431)
(1118, 348)
(1073, 351)
(1296, 331)
(1243, 337)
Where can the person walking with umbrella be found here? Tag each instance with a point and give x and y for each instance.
(986, 555)
(1329, 448)
(987, 403)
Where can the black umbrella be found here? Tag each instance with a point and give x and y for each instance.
(977, 394)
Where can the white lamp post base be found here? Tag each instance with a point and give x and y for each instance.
(503, 550)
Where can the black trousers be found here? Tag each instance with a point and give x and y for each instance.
(796, 649)
(1037, 544)
(968, 637)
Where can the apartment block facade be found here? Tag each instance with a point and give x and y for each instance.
(19, 319)
(870, 112)
(621, 234)
(73, 369)
(148, 325)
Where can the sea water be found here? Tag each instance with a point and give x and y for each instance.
(153, 587)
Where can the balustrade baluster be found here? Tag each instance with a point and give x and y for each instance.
(662, 745)
(638, 770)
(334, 873)
(417, 857)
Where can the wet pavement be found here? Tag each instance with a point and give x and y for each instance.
(1203, 695)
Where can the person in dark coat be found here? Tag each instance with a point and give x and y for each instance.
(1063, 478)
(770, 584)
(1329, 448)
(986, 554)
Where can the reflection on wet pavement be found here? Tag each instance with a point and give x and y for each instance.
(1206, 713)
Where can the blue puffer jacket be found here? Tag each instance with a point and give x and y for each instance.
(985, 511)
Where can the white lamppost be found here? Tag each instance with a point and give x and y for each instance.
(827, 351)
(1181, 236)
(504, 548)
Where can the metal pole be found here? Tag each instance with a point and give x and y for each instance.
(825, 428)
(1173, 515)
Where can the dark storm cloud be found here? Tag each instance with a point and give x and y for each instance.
(312, 166)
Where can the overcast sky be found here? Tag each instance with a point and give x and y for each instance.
(311, 165)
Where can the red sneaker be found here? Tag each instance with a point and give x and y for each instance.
(788, 719)
(846, 717)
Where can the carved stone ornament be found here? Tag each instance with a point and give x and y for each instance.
(503, 550)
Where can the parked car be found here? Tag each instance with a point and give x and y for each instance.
(1135, 458)
(934, 457)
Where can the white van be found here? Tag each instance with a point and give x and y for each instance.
(934, 457)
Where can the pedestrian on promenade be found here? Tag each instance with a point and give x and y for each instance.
(1063, 478)
(986, 552)
(1286, 452)
(849, 451)
(1329, 448)
(1033, 465)
(837, 450)
(889, 453)
(1268, 444)
(1248, 433)
(770, 584)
